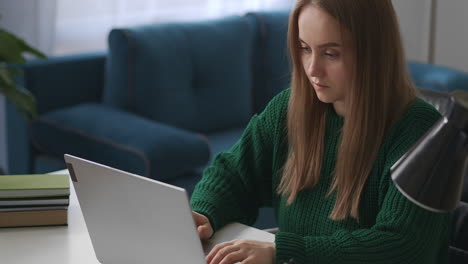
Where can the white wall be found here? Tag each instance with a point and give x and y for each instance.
(451, 35)
(27, 17)
(32, 20)
(414, 18)
(450, 45)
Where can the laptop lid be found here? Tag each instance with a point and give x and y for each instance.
(133, 219)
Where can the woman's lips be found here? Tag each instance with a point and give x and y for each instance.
(320, 86)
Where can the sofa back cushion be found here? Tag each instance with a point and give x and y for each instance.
(195, 76)
(272, 71)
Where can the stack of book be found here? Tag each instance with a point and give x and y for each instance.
(34, 200)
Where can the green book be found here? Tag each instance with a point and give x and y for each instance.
(34, 185)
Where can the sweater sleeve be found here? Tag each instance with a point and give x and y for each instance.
(239, 181)
(402, 233)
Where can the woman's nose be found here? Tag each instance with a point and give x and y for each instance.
(314, 67)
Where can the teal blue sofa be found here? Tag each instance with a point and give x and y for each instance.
(161, 102)
(164, 99)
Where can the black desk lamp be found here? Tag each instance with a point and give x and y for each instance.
(431, 173)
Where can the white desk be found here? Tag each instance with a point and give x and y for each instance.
(72, 245)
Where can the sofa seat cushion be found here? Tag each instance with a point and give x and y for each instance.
(194, 75)
(222, 141)
(119, 139)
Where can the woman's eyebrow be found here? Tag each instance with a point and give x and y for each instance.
(324, 45)
(329, 45)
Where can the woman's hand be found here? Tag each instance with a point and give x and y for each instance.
(244, 251)
(204, 229)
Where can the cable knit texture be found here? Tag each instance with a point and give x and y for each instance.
(390, 228)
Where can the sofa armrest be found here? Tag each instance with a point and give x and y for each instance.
(56, 82)
(63, 81)
(119, 139)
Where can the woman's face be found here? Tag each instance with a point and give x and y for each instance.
(325, 55)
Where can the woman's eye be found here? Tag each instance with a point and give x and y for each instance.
(307, 49)
(331, 55)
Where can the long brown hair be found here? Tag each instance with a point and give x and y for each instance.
(379, 92)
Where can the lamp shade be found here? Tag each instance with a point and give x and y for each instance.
(431, 173)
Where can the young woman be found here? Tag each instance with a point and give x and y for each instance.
(321, 152)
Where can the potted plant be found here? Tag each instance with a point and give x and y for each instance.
(12, 50)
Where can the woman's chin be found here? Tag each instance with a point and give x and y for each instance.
(324, 98)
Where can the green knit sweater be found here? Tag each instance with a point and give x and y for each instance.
(390, 229)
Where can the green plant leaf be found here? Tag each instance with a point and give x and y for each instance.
(12, 48)
(20, 97)
(11, 68)
(7, 75)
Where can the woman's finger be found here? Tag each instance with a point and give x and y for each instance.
(199, 218)
(214, 251)
(234, 257)
(204, 231)
(223, 252)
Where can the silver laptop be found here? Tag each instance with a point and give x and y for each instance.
(133, 219)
